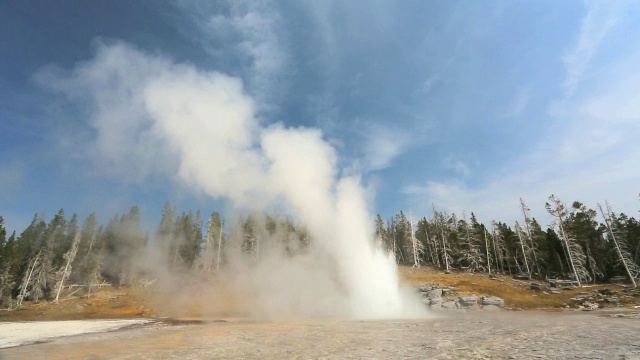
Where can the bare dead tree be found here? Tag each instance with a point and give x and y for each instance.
(417, 248)
(66, 271)
(26, 280)
(433, 239)
(575, 254)
(91, 242)
(527, 224)
(432, 244)
(486, 245)
(594, 269)
(94, 270)
(497, 246)
(219, 245)
(471, 253)
(624, 255)
(440, 221)
(523, 246)
(208, 244)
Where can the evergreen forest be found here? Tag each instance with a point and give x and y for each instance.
(582, 244)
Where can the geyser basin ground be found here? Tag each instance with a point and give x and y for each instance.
(18, 333)
(469, 335)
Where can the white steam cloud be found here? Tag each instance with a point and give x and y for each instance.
(155, 117)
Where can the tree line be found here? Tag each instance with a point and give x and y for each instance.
(49, 256)
(581, 244)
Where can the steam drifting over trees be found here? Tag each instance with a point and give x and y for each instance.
(47, 257)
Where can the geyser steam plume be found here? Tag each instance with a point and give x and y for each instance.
(153, 116)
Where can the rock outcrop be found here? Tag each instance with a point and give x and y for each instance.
(442, 299)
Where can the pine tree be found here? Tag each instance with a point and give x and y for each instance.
(8, 265)
(616, 232)
(524, 248)
(403, 238)
(556, 252)
(417, 248)
(124, 241)
(42, 279)
(391, 236)
(87, 249)
(532, 236)
(582, 224)
(165, 234)
(3, 238)
(506, 241)
(487, 240)
(251, 242)
(26, 286)
(5, 262)
(424, 234)
(440, 223)
(574, 252)
(65, 272)
(498, 246)
(27, 254)
(213, 242)
(470, 250)
(381, 233)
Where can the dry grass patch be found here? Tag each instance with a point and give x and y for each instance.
(104, 303)
(516, 293)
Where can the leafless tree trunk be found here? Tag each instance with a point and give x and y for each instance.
(445, 254)
(432, 245)
(66, 272)
(417, 248)
(486, 245)
(436, 250)
(219, 245)
(94, 271)
(573, 251)
(471, 249)
(208, 251)
(26, 281)
(497, 246)
(93, 239)
(525, 213)
(622, 253)
(522, 247)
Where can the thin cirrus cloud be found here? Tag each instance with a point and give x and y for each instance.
(456, 165)
(245, 33)
(464, 105)
(382, 145)
(599, 20)
(590, 150)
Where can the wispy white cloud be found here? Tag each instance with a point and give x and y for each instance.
(383, 144)
(619, 103)
(250, 29)
(498, 198)
(458, 166)
(599, 19)
(590, 154)
(519, 104)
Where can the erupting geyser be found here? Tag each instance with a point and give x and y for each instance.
(155, 116)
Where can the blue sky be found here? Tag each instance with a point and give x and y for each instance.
(468, 105)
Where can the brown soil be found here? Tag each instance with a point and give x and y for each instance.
(104, 303)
